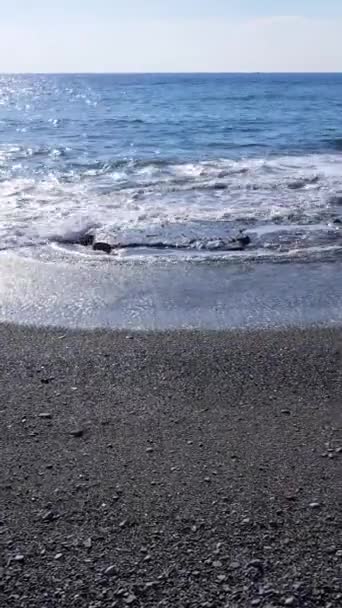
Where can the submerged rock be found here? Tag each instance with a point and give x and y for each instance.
(220, 186)
(102, 246)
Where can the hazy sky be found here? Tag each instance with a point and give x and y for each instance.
(174, 35)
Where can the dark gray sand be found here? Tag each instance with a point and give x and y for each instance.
(175, 470)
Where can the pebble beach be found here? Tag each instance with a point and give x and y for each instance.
(176, 469)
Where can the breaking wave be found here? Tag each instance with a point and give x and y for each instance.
(287, 203)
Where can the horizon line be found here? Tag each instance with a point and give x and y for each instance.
(167, 73)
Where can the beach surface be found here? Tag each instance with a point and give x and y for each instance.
(180, 469)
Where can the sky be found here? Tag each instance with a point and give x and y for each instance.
(170, 36)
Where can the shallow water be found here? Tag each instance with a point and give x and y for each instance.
(158, 296)
(182, 160)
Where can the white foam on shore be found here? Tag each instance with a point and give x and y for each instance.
(182, 200)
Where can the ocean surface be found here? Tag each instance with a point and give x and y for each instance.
(175, 165)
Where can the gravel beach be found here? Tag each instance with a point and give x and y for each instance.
(182, 469)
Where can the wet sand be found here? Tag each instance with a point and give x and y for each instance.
(178, 469)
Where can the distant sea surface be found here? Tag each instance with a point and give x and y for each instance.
(180, 161)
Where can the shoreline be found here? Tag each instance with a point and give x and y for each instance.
(169, 296)
(170, 469)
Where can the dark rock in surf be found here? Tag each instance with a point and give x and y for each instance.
(101, 246)
(86, 240)
(297, 185)
(301, 183)
(337, 221)
(335, 200)
(242, 240)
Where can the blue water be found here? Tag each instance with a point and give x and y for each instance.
(185, 160)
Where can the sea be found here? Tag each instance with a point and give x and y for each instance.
(170, 169)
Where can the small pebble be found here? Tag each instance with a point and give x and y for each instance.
(58, 556)
(47, 380)
(48, 516)
(217, 564)
(298, 586)
(77, 433)
(130, 599)
(314, 505)
(151, 584)
(290, 601)
(45, 415)
(291, 497)
(19, 558)
(256, 563)
(110, 570)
